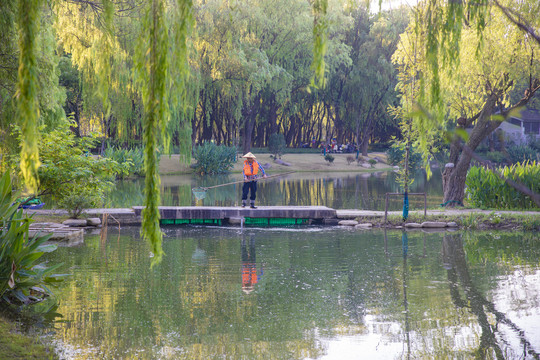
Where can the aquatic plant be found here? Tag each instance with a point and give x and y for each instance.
(131, 159)
(213, 159)
(487, 190)
(23, 281)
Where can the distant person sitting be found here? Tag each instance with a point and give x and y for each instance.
(251, 174)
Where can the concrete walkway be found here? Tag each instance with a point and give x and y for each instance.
(132, 216)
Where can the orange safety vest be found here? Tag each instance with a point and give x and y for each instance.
(249, 274)
(247, 168)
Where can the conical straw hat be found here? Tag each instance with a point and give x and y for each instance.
(249, 155)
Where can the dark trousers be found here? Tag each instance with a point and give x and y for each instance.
(250, 185)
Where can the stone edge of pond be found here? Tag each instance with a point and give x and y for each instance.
(435, 219)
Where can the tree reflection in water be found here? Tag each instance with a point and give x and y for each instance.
(492, 340)
(405, 247)
(336, 190)
(330, 293)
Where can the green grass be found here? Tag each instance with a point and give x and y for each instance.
(16, 346)
(264, 150)
(472, 221)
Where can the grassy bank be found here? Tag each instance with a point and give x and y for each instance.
(471, 220)
(306, 162)
(16, 346)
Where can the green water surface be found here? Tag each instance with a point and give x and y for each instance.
(353, 190)
(300, 293)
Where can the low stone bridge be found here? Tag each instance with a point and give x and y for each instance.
(263, 215)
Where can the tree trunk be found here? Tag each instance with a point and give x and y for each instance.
(454, 176)
(249, 114)
(272, 118)
(365, 144)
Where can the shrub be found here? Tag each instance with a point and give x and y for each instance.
(68, 168)
(22, 280)
(486, 190)
(379, 146)
(276, 144)
(533, 142)
(522, 153)
(213, 159)
(329, 158)
(75, 203)
(131, 159)
(396, 156)
(359, 160)
(372, 162)
(495, 156)
(350, 159)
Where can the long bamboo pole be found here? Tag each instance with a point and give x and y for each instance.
(241, 181)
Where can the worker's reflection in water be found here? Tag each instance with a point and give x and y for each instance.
(249, 266)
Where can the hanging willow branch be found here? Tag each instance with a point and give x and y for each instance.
(103, 62)
(152, 67)
(27, 91)
(153, 76)
(442, 23)
(320, 43)
(182, 21)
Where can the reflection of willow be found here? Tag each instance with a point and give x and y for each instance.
(458, 273)
(433, 189)
(296, 192)
(366, 196)
(188, 307)
(405, 286)
(358, 191)
(405, 248)
(176, 195)
(221, 196)
(127, 193)
(130, 193)
(225, 196)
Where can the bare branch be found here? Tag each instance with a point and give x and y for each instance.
(521, 23)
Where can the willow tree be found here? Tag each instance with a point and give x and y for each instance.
(160, 37)
(99, 44)
(369, 80)
(85, 30)
(469, 56)
(27, 90)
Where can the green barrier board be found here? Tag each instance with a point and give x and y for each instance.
(190, 221)
(248, 221)
(274, 221)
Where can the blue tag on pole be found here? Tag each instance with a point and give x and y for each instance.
(405, 206)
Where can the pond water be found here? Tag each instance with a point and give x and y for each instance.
(364, 191)
(300, 293)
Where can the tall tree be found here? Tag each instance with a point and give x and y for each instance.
(469, 79)
(372, 80)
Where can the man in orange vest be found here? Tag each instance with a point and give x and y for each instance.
(251, 174)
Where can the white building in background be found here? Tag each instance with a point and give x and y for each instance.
(520, 128)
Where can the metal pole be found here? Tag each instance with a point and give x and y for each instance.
(425, 205)
(386, 208)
